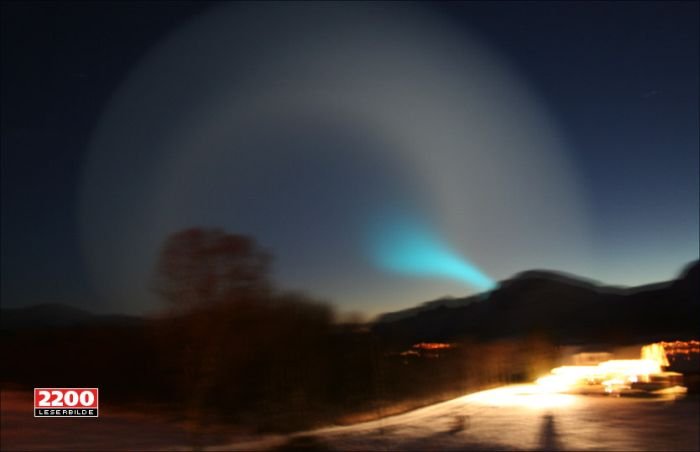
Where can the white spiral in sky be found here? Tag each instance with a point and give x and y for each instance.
(300, 124)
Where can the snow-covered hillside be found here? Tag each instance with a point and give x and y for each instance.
(516, 418)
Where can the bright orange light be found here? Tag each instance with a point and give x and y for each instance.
(432, 345)
(617, 375)
(630, 367)
(528, 396)
(655, 352)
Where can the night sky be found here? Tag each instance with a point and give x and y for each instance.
(386, 154)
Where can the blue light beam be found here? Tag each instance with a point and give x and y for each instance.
(410, 248)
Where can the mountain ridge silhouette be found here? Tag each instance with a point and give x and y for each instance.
(564, 307)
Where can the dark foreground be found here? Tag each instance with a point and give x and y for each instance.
(508, 418)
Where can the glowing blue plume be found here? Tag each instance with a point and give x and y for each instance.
(408, 247)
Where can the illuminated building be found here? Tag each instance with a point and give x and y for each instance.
(644, 376)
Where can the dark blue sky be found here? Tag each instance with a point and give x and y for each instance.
(620, 79)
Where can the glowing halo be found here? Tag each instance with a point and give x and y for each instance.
(461, 139)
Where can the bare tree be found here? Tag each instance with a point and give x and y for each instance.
(237, 348)
(199, 267)
(209, 277)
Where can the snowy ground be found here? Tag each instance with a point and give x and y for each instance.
(521, 418)
(508, 418)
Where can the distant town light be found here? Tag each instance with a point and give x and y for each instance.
(432, 345)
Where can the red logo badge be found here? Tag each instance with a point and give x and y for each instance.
(66, 402)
